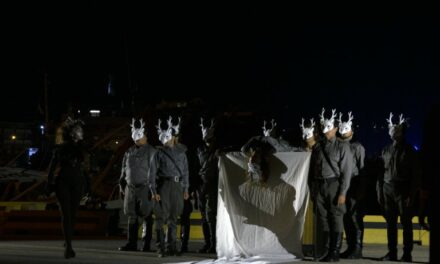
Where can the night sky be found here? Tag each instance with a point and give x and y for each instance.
(291, 62)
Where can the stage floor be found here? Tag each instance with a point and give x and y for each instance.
(105, 251)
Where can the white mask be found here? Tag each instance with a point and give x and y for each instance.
(307, 132)
(137, 133)
(207, 132)
(76, 130)
(328, 124)
(166, 135)
(267, 132)
(392, 127)
(345, 127)
(77, 133)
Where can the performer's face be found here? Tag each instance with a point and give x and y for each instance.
(171, 142)
(396, 132)
(347, 135)
(331, 133)
(141, 141)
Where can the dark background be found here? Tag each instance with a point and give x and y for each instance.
(280, 62)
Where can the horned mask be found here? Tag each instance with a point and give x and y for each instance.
(327, 124)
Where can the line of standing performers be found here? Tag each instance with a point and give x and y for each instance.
(155, 181)
(338, 186)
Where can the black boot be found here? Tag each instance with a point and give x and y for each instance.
(132, 234)
(212, 230)
(184, 237)
(406, 257)
(160, 236)
(347, 252)
(349, 235)
(321, 246)
(357, 250)
(147, 233)
(334, 247)
(207, 236)
(68, 251)
(390, 256)
(145, 245)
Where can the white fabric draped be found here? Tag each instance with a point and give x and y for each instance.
(262, 223)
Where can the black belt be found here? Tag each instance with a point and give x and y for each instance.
(174, 179)
(326, 180)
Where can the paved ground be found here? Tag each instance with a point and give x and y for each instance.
(105, 251)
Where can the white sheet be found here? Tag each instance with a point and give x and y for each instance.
(262, 223)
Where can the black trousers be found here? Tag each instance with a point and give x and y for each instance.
(394, 205)
(208, 210)
(354, 217)
(167, 211)
(330, 214)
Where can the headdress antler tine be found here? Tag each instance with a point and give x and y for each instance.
(274, 124)
(177, 127)
(212, 123)
(333, 114)
(201, 123)
(340, 117)
(322, 115)
(350, 117)
(390, 120)
(401, 119)
(142, 123)
(170, 122)
(302, 123)
(159, 122)
(132, 125)
(264, 125)
(312, 122)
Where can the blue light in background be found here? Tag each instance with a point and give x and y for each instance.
(32, 151)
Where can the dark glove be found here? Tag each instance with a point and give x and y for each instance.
(380, 198)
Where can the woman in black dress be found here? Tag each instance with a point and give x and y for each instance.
(67, 177)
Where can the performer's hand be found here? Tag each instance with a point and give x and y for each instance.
(121, 190)
(157, 197)
(380, 198)
(185, 195)
(341, 199)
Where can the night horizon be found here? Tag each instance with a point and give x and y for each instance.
(263, 61)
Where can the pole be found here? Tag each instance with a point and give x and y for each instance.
(46, 103)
